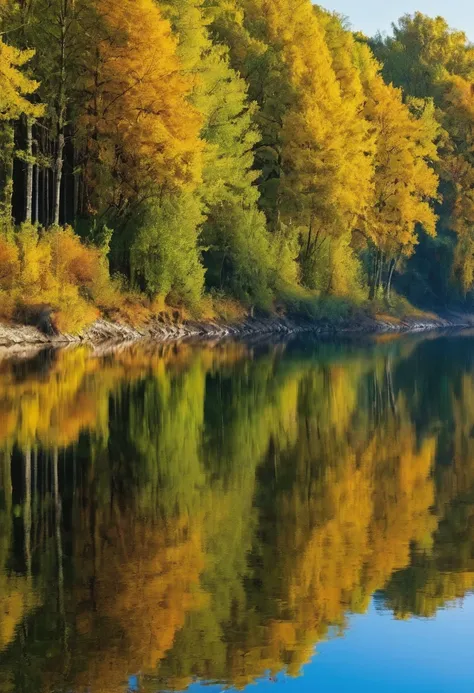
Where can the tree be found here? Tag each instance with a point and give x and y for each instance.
(165, 257)
(429, 59)
(141, 132)
(405, 182)
(315, 172)
(233, 232)
(457, 169)
(14, 90)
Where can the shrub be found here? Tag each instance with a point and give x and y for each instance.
(239, 256)
(49, 268)
(165, 256)
(9, 263)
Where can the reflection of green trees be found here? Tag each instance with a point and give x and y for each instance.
(216, 512)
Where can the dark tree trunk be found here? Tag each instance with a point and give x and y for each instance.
(372, 278)
(7, 151)
(61, 106)
(377, 275)
(29, 172)
(380, 262)
(58, 177)
(27, 511)
(75, 187)
(36, 195)
(47, 198)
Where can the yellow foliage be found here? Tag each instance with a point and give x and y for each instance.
(405, 182)
(9, 263)
(328, 174)
(51, 268)
(14, 86)
(139, 127)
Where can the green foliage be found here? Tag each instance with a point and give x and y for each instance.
(165, 255)
(335, 269)
(239, 253)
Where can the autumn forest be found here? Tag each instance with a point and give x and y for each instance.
(203, 153)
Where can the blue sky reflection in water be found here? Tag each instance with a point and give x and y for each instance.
(378, 653)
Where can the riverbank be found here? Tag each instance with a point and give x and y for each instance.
(159, 330)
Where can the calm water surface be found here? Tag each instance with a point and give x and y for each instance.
(296, 516)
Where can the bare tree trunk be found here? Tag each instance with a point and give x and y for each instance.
(75, 195)
(29, 171)
(75, 203)
(377, 275)
(47, 198)
(65, 217)
(373, 278)
(61, 108)
(393, 265)
(380, 260)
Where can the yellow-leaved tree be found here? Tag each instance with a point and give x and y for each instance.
(142, 134)
(457, 168)
(405, 182)
(14, 90)
(325, 178)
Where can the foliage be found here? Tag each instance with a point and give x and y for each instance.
(52, 268)
(431, 61)
(165, 254)
(263, 150)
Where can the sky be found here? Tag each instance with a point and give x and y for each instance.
(370, 15)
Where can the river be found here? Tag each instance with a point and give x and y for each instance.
(295, 516)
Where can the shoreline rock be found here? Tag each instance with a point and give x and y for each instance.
(103, 331)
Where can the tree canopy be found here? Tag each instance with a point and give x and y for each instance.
(243, 149)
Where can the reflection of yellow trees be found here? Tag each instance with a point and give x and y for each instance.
(403, 498)
(340, 528)
(17, 597)
(446, 573)
(231, 507)
(50, 408)
(68, 390)
(344, 497)
(144, 580)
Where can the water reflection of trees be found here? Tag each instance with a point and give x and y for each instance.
(214, 513)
